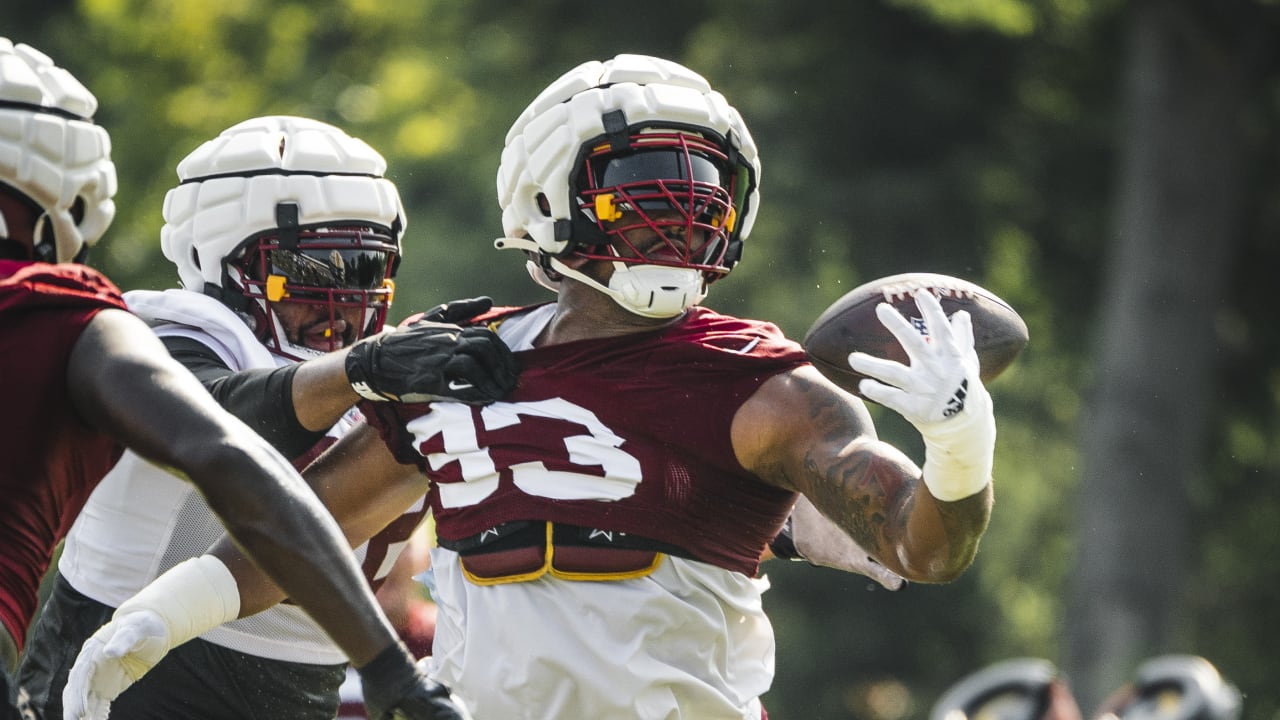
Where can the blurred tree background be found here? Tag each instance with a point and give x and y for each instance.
(1111, 168)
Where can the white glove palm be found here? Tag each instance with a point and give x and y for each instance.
(940, 393)
(111, 660)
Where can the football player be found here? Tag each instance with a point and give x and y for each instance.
(1174, 687)
(286, 235)
(1166, 687)
(600, 530)
(1015, 689)
(84, 379)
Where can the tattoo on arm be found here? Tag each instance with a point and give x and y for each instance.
(854, 488)
(872, 490)
(858, 491)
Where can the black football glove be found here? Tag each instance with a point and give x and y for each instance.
(397, 689)
(426, 361)
(453, 312)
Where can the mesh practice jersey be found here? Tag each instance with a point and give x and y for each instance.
(142, 520)
(51, 459)
(625, 435)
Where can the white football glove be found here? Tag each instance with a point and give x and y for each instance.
(192, 598)
(110, 661)
(940, 393)
(822, 542)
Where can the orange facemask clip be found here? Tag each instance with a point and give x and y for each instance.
(606, 209)
(275, 288)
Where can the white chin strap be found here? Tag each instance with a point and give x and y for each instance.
(653, 291)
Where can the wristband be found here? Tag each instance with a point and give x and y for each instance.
(959, 451)
(192, 598)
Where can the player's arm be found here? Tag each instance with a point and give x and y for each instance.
(923, 525)
(811, 536)
(291, 407)
(829, 452)
(122, 380)
(360, 483)
(428, 359)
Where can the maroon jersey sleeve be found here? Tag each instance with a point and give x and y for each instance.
(30, 287)
(52, 459)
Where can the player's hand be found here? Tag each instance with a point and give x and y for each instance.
(940, 393)
(426, 361)
(397, 689)
(453, 312)
(822, 542)
(943, 370)
(111, 660)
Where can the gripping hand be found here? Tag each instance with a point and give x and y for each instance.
(429, 359)
(824, 543)
(190, 598)
(111, 660)
(453, 312)
(940, 393)
(397, 689)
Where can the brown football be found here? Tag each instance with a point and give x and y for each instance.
(850, 324)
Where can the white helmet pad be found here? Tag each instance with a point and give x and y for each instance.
(540, 161)
(51, 151)
(285, 184)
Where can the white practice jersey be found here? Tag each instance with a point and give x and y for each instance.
(142, 520)
(597, 434)
(625, 665)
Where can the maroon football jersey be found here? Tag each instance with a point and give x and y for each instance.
(51, 460)
(623, 434)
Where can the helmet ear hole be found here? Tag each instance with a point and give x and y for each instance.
(544, 205)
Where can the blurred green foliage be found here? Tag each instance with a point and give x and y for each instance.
(968, 137)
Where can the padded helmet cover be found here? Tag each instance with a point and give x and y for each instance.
(51, 151)
(230, 188)
(546, 141)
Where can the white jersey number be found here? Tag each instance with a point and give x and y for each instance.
(606, 472)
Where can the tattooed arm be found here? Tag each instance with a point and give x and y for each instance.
(829, 452)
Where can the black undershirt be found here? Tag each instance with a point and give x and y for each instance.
(261, 397)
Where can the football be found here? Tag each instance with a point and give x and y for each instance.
(850, 324)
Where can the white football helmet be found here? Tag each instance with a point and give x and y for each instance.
(635, 147)
(52, 153)
(1014, 689)
(283, 209)
(1180, 687)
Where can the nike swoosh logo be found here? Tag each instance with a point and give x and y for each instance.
(459, 385)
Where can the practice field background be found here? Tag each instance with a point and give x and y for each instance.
(1111, 168)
